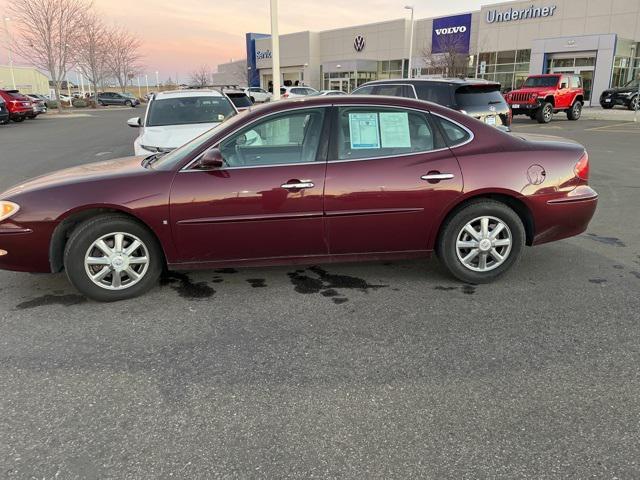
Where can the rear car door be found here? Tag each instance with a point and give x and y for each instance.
(265, 202)
(389, 176)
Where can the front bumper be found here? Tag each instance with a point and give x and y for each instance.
(605, 101)
(524, 108)
(27, 248)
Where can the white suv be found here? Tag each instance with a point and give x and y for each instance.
(257, 94)
(173, 118)
(299, 91)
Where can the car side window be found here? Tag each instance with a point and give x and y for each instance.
(440, 94)
(367, 90)
(454, 134)
(366, 132)
(292, 137)
(575, 82)
(394, 90)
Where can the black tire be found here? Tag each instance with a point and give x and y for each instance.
(101, 103)
(606, 106)
(128, 103)
(634, 104)
(253, 100)
(446, 247)
(18, 119)
(575, 111)
(545, 113)
(90, 231)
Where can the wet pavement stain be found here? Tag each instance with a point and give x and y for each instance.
(635, 274)
(616, 242)
(65, 300)
(445, 289)
(597, 281)
(257, 282)
(182, 284)
(618, 267)
(226, 270)
(468, 289)
(327, 284)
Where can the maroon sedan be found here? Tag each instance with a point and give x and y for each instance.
(319, 179)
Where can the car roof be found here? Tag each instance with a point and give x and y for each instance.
(187, 93)
(452, 81)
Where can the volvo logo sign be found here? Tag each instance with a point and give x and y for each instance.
(450, 30)
(358, 43)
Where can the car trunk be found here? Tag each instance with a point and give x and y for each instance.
(484, 102)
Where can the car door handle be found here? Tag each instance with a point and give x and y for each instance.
(430, 177)
(297, 186)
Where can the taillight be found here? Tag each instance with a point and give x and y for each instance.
(285, 95)
(582, 168)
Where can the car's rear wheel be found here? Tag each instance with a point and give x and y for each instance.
(481, 241)
(575, 111)
(128, 103)
(634, 104)
(544, 113)
(112, 257)
(253, 100)
(18, 119)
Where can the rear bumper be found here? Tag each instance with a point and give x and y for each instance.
(564, 216)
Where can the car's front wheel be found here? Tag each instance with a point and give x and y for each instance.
(544, 113)
(634, 104)
(113, 257)
(481, 241)
(128, 103)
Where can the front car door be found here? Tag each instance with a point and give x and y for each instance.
(389, 176)
(265, 203)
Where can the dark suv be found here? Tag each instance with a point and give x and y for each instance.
(627, 95)
(114, 98)
(477, 98)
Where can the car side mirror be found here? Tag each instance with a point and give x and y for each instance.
(211, 160)
(134, 122)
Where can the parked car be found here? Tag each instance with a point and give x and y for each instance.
(238, 97)
(175, 117)
(4, 112)
(543, 95)
(477, 98)
(298, 91)
(385, 181)
(19, 105)
(257, 94)
(324, 93)
(115, 98)
(626, 95)
(39, 102)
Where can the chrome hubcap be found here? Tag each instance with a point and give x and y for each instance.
(116, 261)
(484, 244)
(547, 112)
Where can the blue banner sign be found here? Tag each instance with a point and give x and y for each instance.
(451, 34)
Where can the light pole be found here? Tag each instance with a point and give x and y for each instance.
(146, 82)
(410, 7)
(139, 88)
(157, 81)
(9, 52)
(275, 47)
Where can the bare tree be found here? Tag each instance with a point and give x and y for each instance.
(450, 60)
(48, 31)
(92, 50)
(124, 59)
(200, 77)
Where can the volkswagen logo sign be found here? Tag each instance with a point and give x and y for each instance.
(358, 43)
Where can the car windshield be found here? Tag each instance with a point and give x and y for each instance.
(127, 94)
(240, 100)
(187, 110)
(633, 83)
(176, 156)
(533, 82)
(478, 96)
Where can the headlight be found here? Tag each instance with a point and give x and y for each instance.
(7, 209)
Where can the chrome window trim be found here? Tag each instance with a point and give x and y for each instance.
(195, 170)
(187, 167)
(471, 134)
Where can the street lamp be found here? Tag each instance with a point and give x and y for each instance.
(9, 52)
(275, 47)
(157, 81)
(146, 82)
(410, 7)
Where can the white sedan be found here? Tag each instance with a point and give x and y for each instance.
(174, 118)
(257, 94)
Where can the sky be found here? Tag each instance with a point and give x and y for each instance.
(181, 35)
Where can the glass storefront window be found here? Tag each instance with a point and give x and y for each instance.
(523, 56)
(507, 56)
(507, 67)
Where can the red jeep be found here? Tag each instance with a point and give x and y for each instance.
(543, 95)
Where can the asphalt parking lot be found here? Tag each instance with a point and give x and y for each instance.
(381, 370)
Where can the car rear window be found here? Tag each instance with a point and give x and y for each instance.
(533, 82)
(186, 110)
(436, 93)
(455, 134)
(478, 96)
(240, 100)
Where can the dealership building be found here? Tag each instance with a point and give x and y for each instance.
(504, 42)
